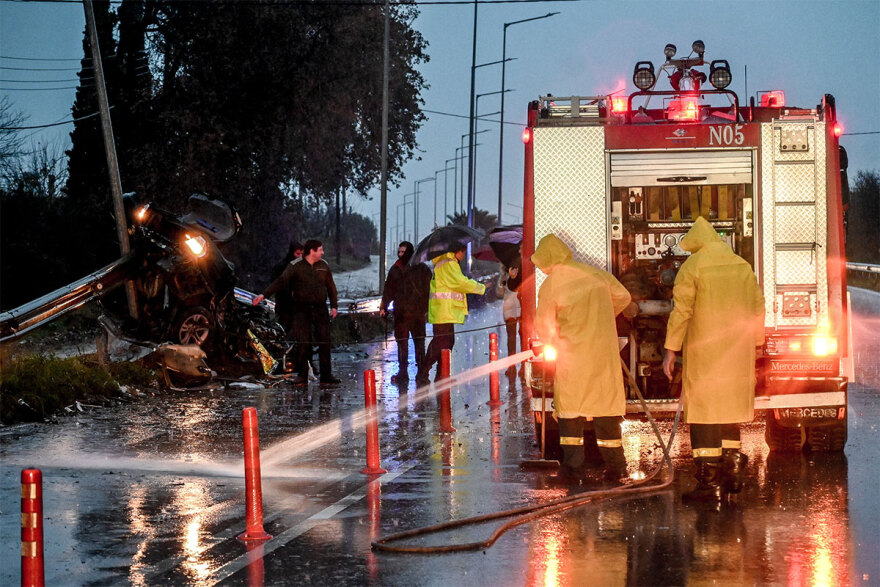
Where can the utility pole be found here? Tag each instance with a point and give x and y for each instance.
(470, 186)
(383, 199)
(110, 150)
(338, 233)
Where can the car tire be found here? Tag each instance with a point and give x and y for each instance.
(827, 438)
(782, 439)
(194, 325)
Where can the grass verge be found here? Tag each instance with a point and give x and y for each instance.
(34, 387)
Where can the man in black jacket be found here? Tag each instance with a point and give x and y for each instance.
(407, 288)
(310, 283)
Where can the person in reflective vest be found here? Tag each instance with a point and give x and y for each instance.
(717, 320)
(577, 306)
(447, 306)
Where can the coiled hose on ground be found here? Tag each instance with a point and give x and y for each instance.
(528, 513)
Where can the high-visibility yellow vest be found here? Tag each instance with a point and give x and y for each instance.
(447, 303)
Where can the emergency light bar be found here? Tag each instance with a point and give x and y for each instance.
(684, 109)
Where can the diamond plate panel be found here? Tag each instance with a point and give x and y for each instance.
(570, 191)
(793, 177)
(796, 224)
(783, 131)
(799, 267)
(794, 182)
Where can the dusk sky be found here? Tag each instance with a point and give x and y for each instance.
(806, 48)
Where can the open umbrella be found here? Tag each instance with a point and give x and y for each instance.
(443, 240)
(504, 242)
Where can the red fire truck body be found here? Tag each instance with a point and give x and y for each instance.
(621, 180)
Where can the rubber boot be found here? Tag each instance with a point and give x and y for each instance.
(708, 487)
(615, 463)
(733, 471)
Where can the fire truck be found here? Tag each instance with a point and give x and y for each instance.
(621, 179)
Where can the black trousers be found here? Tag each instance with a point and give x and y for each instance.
(708, 440)
(404, 327)
(444, 338)
(309, 318)
(510, 324)
(608, 437)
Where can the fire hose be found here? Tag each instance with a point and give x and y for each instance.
(528, 513)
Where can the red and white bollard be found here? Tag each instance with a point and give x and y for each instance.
(32, 528)
(252, 487)
(445, 401)
(494, 395)
(372, 427)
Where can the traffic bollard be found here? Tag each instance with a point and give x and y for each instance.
(252, 488)
(494, 395)
(32, 528)
(445, 401)
(372, 427)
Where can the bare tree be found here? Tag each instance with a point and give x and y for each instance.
(11, 143)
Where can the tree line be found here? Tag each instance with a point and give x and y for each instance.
(273, 107)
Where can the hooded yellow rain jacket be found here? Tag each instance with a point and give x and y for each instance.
(447, 303)
(718, 317)
(576, 309)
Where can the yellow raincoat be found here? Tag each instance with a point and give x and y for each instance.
(447, 303)
(718, 317)
(576, 309)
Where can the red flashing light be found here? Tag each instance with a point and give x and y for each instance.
(527, 135)
(774, 99)
(618, 105)
(838, 129)
(684, 109)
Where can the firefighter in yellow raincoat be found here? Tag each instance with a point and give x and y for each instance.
(718, 320)
(447, 306)
(577, 305)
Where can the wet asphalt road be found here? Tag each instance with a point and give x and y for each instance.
(152, 492)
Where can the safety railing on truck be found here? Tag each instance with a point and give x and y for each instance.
(571, 106)
(866, 267)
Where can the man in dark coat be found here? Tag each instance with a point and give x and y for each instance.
(310, 284)
(406, 291)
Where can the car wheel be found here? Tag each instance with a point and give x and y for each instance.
(782, 439)
(195, 326)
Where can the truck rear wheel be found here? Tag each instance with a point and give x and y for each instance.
(827, 438)
(782, 439)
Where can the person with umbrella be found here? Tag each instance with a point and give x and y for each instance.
(447, 304)
(406, 291)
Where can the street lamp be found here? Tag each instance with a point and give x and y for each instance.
(477, 122)
(454, 186)
(471, 121)
(443, 171)
(416, 208)
(470, 148)
(501, 132)
(405, 196)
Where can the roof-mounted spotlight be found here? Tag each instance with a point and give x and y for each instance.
(719, 74)
(643, 75)
(669, 51)
(699, 47)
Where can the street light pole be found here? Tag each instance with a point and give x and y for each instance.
(470, 220)
(445, 182)
(443, 171)
(477, 122)
(501, 124)
(416, 208)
